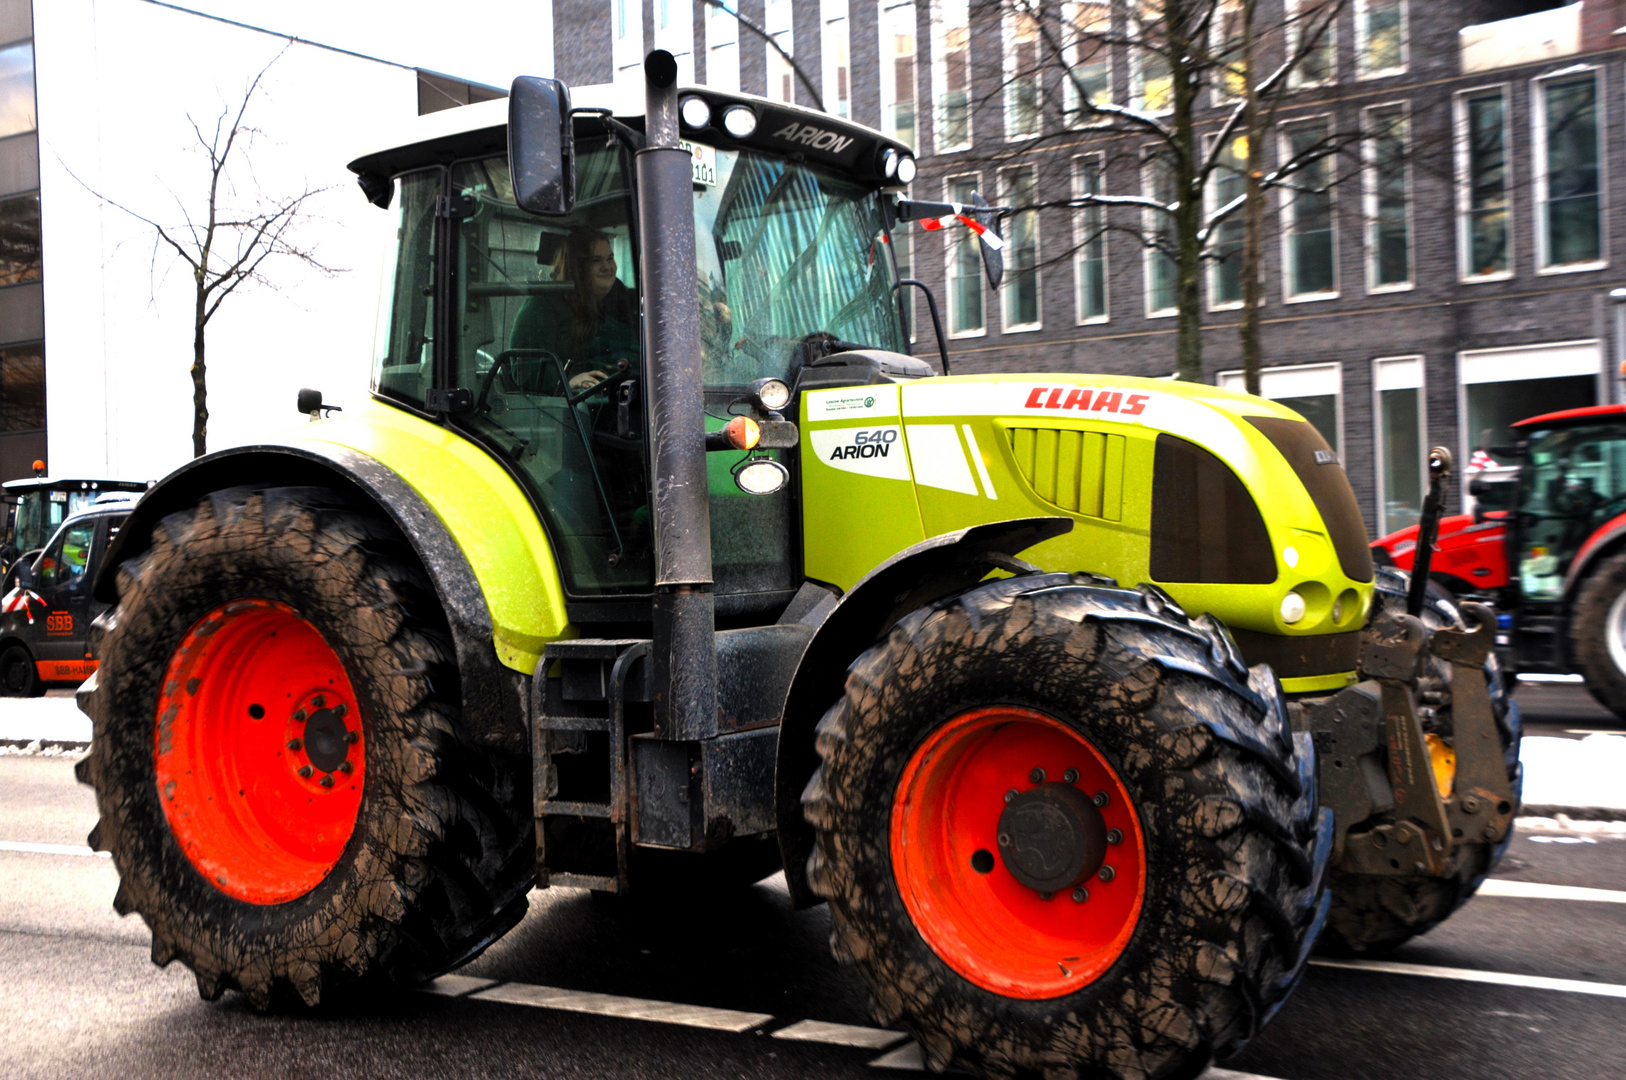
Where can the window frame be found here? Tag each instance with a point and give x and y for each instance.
(1097, 160)
(45, 388)
(888, 70)
(1210, 204)
(1137, 70)
(1379, 462)
(1295, 78)
(1369, 201)
(1010, 67)
(939, 78)
(1462, 140)
(722, 39)
(626, 40)
(953, 237)
(785, 37)
(1007, 192)
(1152, 222)
(835, 27)
(1539, 173)
(1361, 70)
(1470, 358)
(1074, 116)
(1288, 215)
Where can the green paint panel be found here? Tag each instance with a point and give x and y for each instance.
(482, 507)
(1112, 479)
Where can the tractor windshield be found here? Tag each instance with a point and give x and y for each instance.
(785, 253)
(1573, 480)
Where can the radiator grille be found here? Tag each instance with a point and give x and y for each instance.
(1081, 472)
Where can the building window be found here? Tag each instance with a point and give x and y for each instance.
(1312, 34)
(1402, 435)
(1569, 219)
(1089, 242)
(837, 65)
(1021, 286)
(1021, 74)
(22, 388)
(903, 258)
(627, 41)
(1314, 391)
(17, 89)
(1227, 43)
(1225, 187)
(1088, 58)
(722, 49)
(20, 239)
(1499, 387)
(1484, 191)
(898, 72)
(964, 267)
(1151, 84)
(1388, 199)
(1309, 234)
(1159, 266)
(951, 73)
(777, 19)
(674, 32)
(1380, 38)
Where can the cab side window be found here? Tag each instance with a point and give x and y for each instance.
(66, 560)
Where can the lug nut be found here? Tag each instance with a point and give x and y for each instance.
(1100, 799)
(346, 768)
(1004, 839)
(1106, 873)
(1047, 896)
(1070, 776)
(352, 737)
(305, 771)
(299, 716)
(327, 781)
(1036, 776)
(1011, 794)
(319, 701)
(340, 709)
(1115, 836)
(1080, 895)
(294, 744)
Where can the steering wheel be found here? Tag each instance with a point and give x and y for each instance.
(507, 359)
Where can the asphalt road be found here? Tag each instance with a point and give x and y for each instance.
(81, 998)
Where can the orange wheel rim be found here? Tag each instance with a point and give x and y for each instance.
(992, 811)
(259, 752)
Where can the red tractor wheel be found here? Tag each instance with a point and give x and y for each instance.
(284, 783)
(1061, 828)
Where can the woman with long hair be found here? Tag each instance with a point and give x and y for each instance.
(593, 326)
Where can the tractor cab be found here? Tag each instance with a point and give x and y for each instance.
(37, 505)
(1571, 485)
(523, 331)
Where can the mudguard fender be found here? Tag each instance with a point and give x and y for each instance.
(930, 570)
(493, 696)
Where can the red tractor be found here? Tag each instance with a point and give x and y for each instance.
(1546, 544)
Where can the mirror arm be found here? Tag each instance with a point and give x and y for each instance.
(937, 323)
(634, 137)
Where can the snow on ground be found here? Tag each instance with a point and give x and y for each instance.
(56, 719)
(1575, 772)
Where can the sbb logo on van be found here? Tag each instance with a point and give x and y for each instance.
(867, 444)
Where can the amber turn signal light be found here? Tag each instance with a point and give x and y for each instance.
(743, 433)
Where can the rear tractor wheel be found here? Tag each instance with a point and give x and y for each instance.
(278, 762)
(1062, 829)
(1597, 628)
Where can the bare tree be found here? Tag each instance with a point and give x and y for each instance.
(227, 232)
(1206, 77)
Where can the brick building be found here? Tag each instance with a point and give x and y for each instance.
(1455, 278)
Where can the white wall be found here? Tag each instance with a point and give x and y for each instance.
(116, 81)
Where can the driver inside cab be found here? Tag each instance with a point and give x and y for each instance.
(593, 326)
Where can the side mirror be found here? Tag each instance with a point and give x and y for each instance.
(541, 146)
(993, 255)
(1477, 486)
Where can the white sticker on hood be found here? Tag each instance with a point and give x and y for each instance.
(876, 451)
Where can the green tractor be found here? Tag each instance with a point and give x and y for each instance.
(657, 563)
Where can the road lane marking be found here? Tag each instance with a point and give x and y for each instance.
(665, 1012)
(1531, 890)
(456, 985)
(51, 849)
(1499, 978)
(821, 1031)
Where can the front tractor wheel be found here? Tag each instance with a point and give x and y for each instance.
(283, 783)
(1063, 830)
(1597, 629)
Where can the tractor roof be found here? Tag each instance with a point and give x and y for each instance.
(480, 129)
(1573, 416)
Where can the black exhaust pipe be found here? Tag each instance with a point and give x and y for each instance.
(684, 613)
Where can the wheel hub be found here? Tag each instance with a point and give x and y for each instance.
(1052, 837)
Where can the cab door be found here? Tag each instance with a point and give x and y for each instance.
(63, 582)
